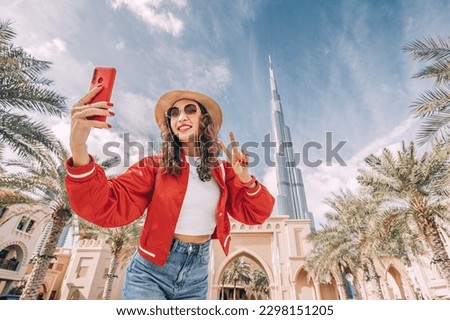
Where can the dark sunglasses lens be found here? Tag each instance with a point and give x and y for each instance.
(190, 109)
(173, 112)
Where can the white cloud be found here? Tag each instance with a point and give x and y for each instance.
(196, 71)
(150, 12)
(48, 50)
(97, 140)
(401, 131)
(134, 114)
(120, 45)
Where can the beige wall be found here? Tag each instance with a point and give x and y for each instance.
(51, 288)
(19, 243)
(86, 274)
(279, 246)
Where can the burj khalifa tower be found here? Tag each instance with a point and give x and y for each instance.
(291, 199)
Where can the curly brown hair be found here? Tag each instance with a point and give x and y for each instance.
(170, 153)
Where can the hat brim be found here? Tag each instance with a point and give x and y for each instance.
(169, 98)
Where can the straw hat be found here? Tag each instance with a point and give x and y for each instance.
(169, 98)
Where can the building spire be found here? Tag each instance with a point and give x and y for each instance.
(291, 197)
(276, 103)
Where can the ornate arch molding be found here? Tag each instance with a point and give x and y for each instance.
(19, 244)
(398, 268)
(249, 253)
(309, 275)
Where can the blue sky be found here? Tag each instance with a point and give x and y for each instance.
(339, 68)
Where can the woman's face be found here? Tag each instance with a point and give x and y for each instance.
(185, 117)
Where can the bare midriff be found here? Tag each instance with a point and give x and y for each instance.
(192, 239)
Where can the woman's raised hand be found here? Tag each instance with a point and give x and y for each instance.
(238, 160)
(80, 125)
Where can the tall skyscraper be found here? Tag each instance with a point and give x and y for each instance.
(291, 197)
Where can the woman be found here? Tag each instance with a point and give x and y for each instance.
(186, 208)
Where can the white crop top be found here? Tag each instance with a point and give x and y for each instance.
(198, 212)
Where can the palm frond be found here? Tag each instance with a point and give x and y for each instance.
(435, 128)
(430, 102)
(22, 85)
(9, 198)
(110, 163)
(440, 70)
(429, 49)
(6, 32)
(27, 138)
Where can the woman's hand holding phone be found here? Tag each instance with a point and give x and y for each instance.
(89, 113)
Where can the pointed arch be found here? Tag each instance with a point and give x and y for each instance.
(395, 283)
(304, 285)
(254, 256)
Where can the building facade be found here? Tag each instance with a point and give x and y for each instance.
(279, 248)
(21, 228)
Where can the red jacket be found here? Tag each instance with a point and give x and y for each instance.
(119, 201)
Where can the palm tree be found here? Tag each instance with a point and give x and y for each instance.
(332, 252)
(415, 196)
(347, 243)
(398, 238)
(24, 90)
(122, 241)
(259, 284)
(223, 281)
(433, 105)
(239, 271)
(43, 181)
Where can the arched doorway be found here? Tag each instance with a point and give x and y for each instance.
(76, 294)
(11, 257)
(304, 286)
(328, 291)
(395, 285)
(244, 278)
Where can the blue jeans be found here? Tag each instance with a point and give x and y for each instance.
(183, 277)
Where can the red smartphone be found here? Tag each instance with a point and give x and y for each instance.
(104, 76)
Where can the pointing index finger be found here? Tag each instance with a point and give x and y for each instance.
(234, 143)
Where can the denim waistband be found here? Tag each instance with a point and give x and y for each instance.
(191, 248)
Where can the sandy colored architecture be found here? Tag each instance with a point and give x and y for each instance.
(279, 249)
(21, 228)
(86, 273)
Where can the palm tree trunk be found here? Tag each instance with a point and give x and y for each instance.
(441, 258)
(428, 224)
(358, 283)
(40, 268)
(374, 278)
(222, 291)
(234, 290)
(110, 276)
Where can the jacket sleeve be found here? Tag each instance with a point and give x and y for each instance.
(247, 205)
(110, 202)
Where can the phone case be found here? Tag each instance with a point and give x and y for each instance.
(106, 77)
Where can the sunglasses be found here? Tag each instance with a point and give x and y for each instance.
(174, 112)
